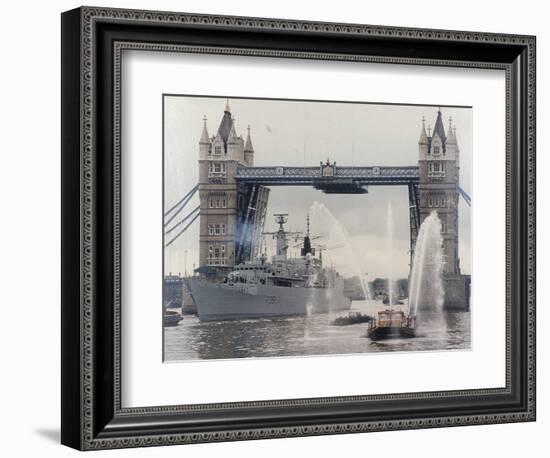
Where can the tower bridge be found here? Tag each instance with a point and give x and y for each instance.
(328, 173)
(332, 179)
(234, 195)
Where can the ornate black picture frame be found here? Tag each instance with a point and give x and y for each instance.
(92, 42)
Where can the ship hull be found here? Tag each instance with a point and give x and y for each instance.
(188, 306)
(217, 302)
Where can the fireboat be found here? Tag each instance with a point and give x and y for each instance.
(392, 324)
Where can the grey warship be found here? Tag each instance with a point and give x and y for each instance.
(281, 287)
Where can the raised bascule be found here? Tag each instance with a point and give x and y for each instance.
(234, 194)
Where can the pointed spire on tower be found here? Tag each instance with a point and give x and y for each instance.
(438, 128)
(232, 132)
(423, 137)
(456, 140)
(227, 107)
(248, 145)
(226, 124)
(205, 138)
(451, 138)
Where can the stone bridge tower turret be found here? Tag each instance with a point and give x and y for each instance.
(219, 197)
(439, 173)
(438, 186)
(227, 224)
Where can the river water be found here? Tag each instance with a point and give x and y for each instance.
(192, 339)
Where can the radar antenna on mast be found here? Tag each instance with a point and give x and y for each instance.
(280, 219)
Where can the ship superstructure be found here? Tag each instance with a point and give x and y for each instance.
(277, 287)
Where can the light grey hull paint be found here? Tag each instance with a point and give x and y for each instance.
(223, 302)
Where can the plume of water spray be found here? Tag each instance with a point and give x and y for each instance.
(323, 219)
(426, 288)
(390, 254)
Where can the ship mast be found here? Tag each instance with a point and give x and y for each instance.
(282, 246)
(307, 241)
(281, 237)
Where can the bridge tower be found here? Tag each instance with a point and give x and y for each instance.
(439, 168)
(225, 205)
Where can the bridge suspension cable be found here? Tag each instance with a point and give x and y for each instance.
(180, 222)
(182, 231)
(465, 196)
(181, 204)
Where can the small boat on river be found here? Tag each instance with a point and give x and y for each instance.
(386, 301)
(351, 318)
(172, 318)
(392, 324)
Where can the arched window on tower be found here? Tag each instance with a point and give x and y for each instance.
(217, 200)
(217, 255)
(436, 170)
(216, 229)
(217, 171)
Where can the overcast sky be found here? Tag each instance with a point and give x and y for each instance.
(294, 133)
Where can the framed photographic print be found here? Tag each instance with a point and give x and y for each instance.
(278, 228)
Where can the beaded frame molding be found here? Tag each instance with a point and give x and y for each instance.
(92, 42)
